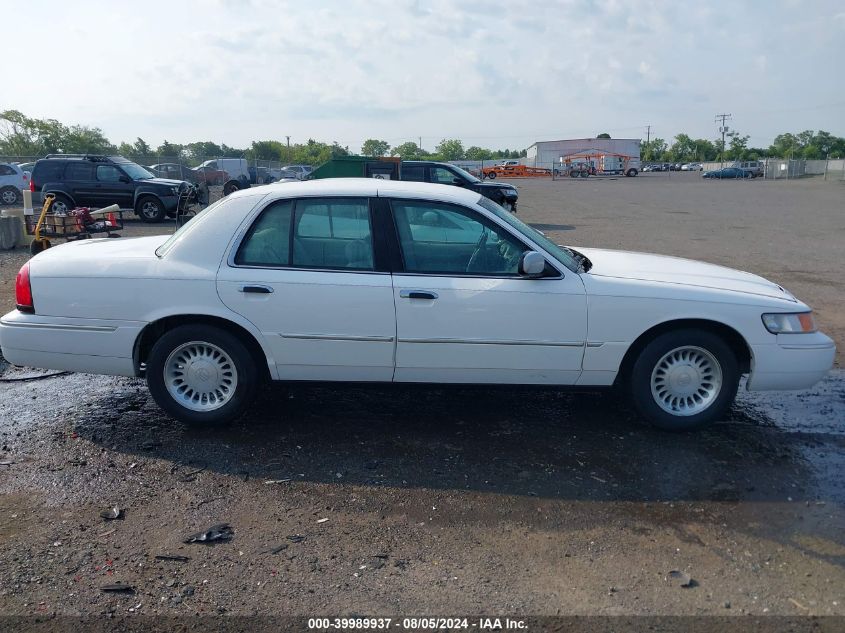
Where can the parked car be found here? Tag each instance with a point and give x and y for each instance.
(12, 181)
(84, 180)
(302, 171)
(753, 168)
(726, 172)
(369, 280)
(178, 171)
(692, 167)
(235, 169)
(27, 166)
(502, 193)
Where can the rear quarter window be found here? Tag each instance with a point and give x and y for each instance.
(49, 171)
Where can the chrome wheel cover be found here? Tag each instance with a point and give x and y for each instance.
(149, 209)
(686, 381)
(200, 376)
(9, 197)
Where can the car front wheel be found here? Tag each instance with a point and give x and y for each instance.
(684, 380)
(9, 195)
(151, 209)
(202, 375)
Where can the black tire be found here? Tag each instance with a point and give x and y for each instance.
(150, 209)
(62, 204)
(491, 175)
(231, 186)
(631, 173)
(645, 365)
(10, 195)
(247, 376)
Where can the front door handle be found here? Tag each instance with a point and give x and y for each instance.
(417, 294)
(262, 290)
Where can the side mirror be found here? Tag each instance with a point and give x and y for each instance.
(531, 265)
(458, 182)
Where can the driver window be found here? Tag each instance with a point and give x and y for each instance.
(108, 173)
(443, 239)
(442, 176)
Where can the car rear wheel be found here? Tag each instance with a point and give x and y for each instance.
(491, 175)
(9, 195)
(684, 380)
(62, 205)
(151, 209)
(202, 375)
(230, 187)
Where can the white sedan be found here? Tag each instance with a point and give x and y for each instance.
(382, 281)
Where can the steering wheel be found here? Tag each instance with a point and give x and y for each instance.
(482, 240)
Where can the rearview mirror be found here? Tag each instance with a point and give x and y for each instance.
(531, 264)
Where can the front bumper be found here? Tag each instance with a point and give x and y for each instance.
(794, 361)
(93, 346)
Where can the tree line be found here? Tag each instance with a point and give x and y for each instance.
(807, 145)
(21, 135)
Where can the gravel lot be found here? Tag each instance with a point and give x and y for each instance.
(400, 501)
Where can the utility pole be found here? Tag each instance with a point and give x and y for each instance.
(724, 130)
(420, 145)
(288, 155)
(648, 140)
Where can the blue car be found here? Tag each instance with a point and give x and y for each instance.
(727, 172)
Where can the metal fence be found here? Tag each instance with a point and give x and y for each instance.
(784, 169)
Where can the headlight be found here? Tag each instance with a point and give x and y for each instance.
(510, 192)
(799, 323)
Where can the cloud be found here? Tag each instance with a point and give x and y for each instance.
(505, 75)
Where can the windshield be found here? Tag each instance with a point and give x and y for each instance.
(465, 174)
(560, 253)
(136, 172)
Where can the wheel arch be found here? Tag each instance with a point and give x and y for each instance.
(58, 192)
(140, 194)
(734, 340)
(155, 329)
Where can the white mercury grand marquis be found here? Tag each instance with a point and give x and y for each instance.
(381, 281)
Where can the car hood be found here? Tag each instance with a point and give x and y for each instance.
(162, 181)
(675, 270)
(494, 185)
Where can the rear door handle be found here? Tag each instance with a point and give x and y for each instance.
(417, 294)
(262, 290)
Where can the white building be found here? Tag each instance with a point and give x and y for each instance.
(549, 153)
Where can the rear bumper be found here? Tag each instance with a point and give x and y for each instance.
(83, 345)
(795, 361)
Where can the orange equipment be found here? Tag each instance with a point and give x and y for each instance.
(515, 171)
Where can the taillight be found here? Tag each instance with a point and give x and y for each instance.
(23, 290)
(32, 185)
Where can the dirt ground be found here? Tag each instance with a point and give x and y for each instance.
(403, 501)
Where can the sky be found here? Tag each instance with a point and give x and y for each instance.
(494, 74)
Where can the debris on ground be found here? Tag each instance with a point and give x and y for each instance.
(112, 514)
(174, 557)
(118, 587)
(295, 538)
(218, 532)
(683, 579)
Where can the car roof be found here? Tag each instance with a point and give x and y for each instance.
(363, 187)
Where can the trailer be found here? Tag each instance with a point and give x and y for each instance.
(594, 163)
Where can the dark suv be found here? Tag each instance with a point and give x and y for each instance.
(84, 180)
(447, 174)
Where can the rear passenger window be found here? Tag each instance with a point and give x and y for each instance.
(49, 170)
(79, 171)
(5, 170)
(327, 233)
(414, 173)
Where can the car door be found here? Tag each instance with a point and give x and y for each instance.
(113, 186)
(80, 184)
(464, 314)
(309, 275)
